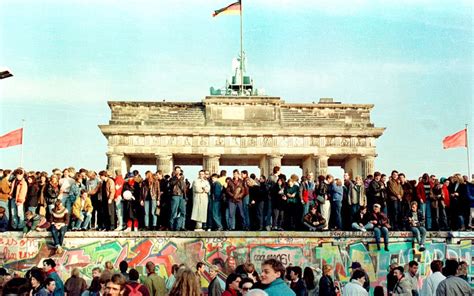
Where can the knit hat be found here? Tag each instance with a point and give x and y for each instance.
(355, 265)
(377, 206)
(442, 180)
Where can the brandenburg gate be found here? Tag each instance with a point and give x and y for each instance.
(259, 131)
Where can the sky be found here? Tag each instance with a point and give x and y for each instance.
(412, 59)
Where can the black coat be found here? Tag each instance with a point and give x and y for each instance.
(326, 286)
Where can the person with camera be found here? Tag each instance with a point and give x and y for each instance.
(415, 221)
(178, 199)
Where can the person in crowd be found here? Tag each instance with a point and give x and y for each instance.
(246, 199)
(201, 189)
(18, 197)
(149, 198)
(186, 284)
(250, 272)
(172, 278)
(91, 184)
(31, 202)
(94, 288)
(245, 286)
(106, 195)
(357, 266)
(380, 222)
(378, 291)
(357, 197)
(65, 184)
(133, 287)
(119, 182)
(460, 206)
(307, 192)
(42, 185)
(52, 194)
(391, 278)
(375, 191)
(131, 202)
(313, 220)
(355, 286)
(37, 283)
(116, 285)
(322, 197)
(75, 285)
(50, 268)
(59, 221)
(50, 286)
(293, 199)
(415, 221)
(35, 222)
(444, 210)
(235, 193)
(203, 283)
(123, 267)
(215, 288)
(5, 189)
(82, 212)
(155, 283)
(178, 199)
(402, 286)
(297, 284)
(3, 220)
(74, 194)
(215, 200)
(279, 203)
(463, 271)
(360, 221)
(430, 284)
(310, 282)
(346, 210)
(271, 276)
(452, 285)
(424, 193)
(409, 193)
(395, 194)
(336, 190)
(326, 283)
(413, 277)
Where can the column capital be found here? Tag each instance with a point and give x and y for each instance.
(212, 155)
(275, 155)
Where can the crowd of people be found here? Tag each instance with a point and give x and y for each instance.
(448, 279)
(70, 201)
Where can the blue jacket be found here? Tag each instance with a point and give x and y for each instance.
(279, 288)
(336, 192)
(59, 284)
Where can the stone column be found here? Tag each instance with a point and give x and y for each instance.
(264, 166)
(309, 165)
(211, 163)
(125, 165)
(352, 166)
(114, 162)
(164, 162)
(321, 165)
(273, 161)
(367, 166)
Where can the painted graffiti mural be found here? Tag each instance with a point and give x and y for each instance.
(20, 254)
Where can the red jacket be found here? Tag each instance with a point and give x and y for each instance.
(446, 196)
(230, 292)
(420, 190)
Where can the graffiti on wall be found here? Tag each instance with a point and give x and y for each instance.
(21, 254)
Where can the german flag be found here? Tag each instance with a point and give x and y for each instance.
(234, 8)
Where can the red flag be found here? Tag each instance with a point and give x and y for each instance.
(458, 139)
(12, 138)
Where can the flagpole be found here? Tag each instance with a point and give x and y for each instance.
(241, 52)
(468, 156)
(22, 141)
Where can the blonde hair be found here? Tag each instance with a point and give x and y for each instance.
(75, 272)
(186, 284)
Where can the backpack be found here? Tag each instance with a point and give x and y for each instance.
(134, 290)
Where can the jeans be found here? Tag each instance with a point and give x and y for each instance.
(378, 231)
(178, 212)
(18, 214)
(4, 204)
(278, 218)
(58, 235)
(354, 209)
(419, 234)
(260, 214)
(395, 214)
(313, 227)
(150, 205)
(245, 206)
(307, 205)
(216, 219)
(336, 212)
(428, 214)
(32, 209)
(232, 209)
(356, 226)
(118, 212)
(68, 202)
(86, 221)
(267, 210)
